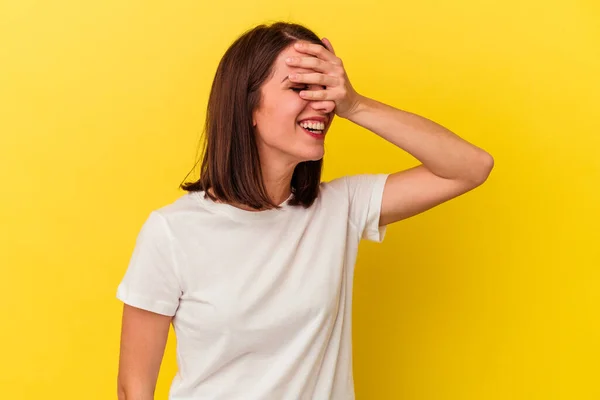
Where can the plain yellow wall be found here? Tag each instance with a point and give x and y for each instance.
(495, 295)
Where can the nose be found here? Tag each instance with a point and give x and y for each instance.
(325, 106)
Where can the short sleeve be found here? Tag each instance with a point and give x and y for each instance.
(366, 194)
(151, 281)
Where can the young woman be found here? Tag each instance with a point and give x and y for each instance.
(254, 265)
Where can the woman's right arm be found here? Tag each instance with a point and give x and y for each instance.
(143, 340)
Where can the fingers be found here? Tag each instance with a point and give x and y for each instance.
(309, 63)
(316, 95)
(328, 70)
(316, 50)
(314, 79)
(328, 44)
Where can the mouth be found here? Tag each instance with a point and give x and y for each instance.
(316, 129)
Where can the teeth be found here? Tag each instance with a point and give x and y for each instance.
(313, 125)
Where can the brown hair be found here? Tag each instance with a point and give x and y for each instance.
(231, 166)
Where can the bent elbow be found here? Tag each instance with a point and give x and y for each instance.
(483, 168)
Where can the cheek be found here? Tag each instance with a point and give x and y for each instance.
(278, 114)
(284, 113)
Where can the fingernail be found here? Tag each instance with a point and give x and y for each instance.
(298, 45)
(289, 59)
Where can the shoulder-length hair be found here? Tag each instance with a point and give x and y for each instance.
(230, 165)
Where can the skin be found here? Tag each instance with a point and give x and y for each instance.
(450, 166)
(282, 144)
(143, 340)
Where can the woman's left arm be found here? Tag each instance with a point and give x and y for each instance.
(450, 166)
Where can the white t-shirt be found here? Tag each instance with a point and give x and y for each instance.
(262, 301)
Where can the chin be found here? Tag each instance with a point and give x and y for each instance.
(311, 154)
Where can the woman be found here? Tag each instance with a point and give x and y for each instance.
(254, 265)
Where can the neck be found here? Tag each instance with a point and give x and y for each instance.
(277, 183)
(277, 180)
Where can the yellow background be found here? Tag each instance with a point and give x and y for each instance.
(494, 295)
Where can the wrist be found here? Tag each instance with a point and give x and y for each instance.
(361, 103)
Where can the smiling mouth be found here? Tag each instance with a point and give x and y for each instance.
(315, 133)
(316, 127)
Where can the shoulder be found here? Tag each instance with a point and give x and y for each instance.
(179, 214)
(334, 189)
(185, 203)
(347, 185)
(335, 184)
